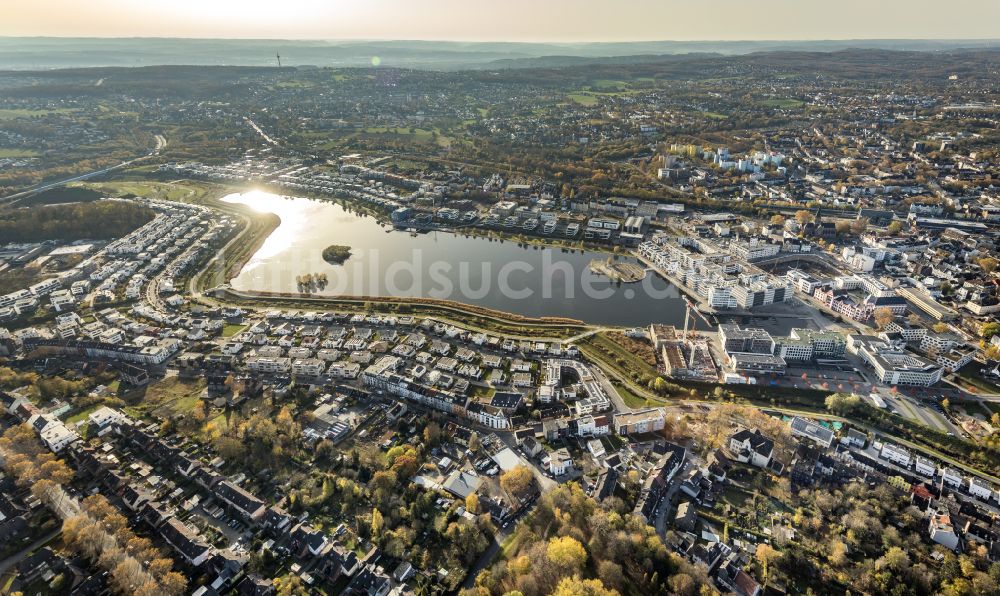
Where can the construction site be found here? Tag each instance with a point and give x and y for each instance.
(624, 272)
(689, 355)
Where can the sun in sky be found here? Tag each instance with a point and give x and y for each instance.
(510, 20)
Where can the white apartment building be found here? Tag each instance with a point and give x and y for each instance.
(642, 421)
(980, 489)
(895, 454)
(308, 367)
(344, 370)
(942, 531)
(924, 467)
(268, 364)
(951, 478)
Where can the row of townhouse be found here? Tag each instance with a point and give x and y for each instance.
(327, 559)
(944, 475)
(383, 376)
(153, 354)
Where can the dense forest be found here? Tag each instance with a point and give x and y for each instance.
(101, 220)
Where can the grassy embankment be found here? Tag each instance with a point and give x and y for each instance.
(468, 316)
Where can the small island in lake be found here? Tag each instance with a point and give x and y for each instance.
(336, 254)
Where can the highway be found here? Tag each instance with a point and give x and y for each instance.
(161, 142)
(263, 134)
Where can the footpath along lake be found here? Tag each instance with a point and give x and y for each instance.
(527, 280)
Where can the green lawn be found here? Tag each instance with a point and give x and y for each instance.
(781, 103)
(624, 359)
(11, 113)
(631, 399)
(231, 330)
(82, 414)
(5, 152)
(734, 496)
(606, 83)
(483, 393)
(168, 396)
(182, 190)
(294, 84)
(215, 427)
(585, 99)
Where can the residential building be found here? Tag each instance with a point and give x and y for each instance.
(752, 447)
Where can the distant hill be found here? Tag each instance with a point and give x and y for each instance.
(42, 53)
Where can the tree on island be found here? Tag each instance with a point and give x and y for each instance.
(336, 254)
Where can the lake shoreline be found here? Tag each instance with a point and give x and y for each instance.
(496, 273)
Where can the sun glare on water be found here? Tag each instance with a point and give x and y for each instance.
(293, 214)
(261, 201)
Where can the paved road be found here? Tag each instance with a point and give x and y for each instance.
(666, 504)
(24, 552)
(263, 134)
(161, 142)
(491, 552)
(587, 334)
(616, 398)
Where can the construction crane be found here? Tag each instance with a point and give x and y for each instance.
(688, 307)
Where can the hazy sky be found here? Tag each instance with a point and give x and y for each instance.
(506, 20)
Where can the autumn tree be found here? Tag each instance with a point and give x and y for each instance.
(838, 553)
(378, 523)
(842, 403)
(988, 330)
(289, 585)
(566, 553)
(432, 434)
(403, 461)
(883, 316)
(988, 264)
(472, 503)
(517, 481)
(574, 586)
(766, 556)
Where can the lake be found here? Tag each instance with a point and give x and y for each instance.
(528, 280)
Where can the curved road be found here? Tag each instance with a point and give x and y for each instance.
(161, 142)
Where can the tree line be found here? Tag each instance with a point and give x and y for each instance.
(100, 220)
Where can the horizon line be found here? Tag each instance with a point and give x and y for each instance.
(512, 42)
